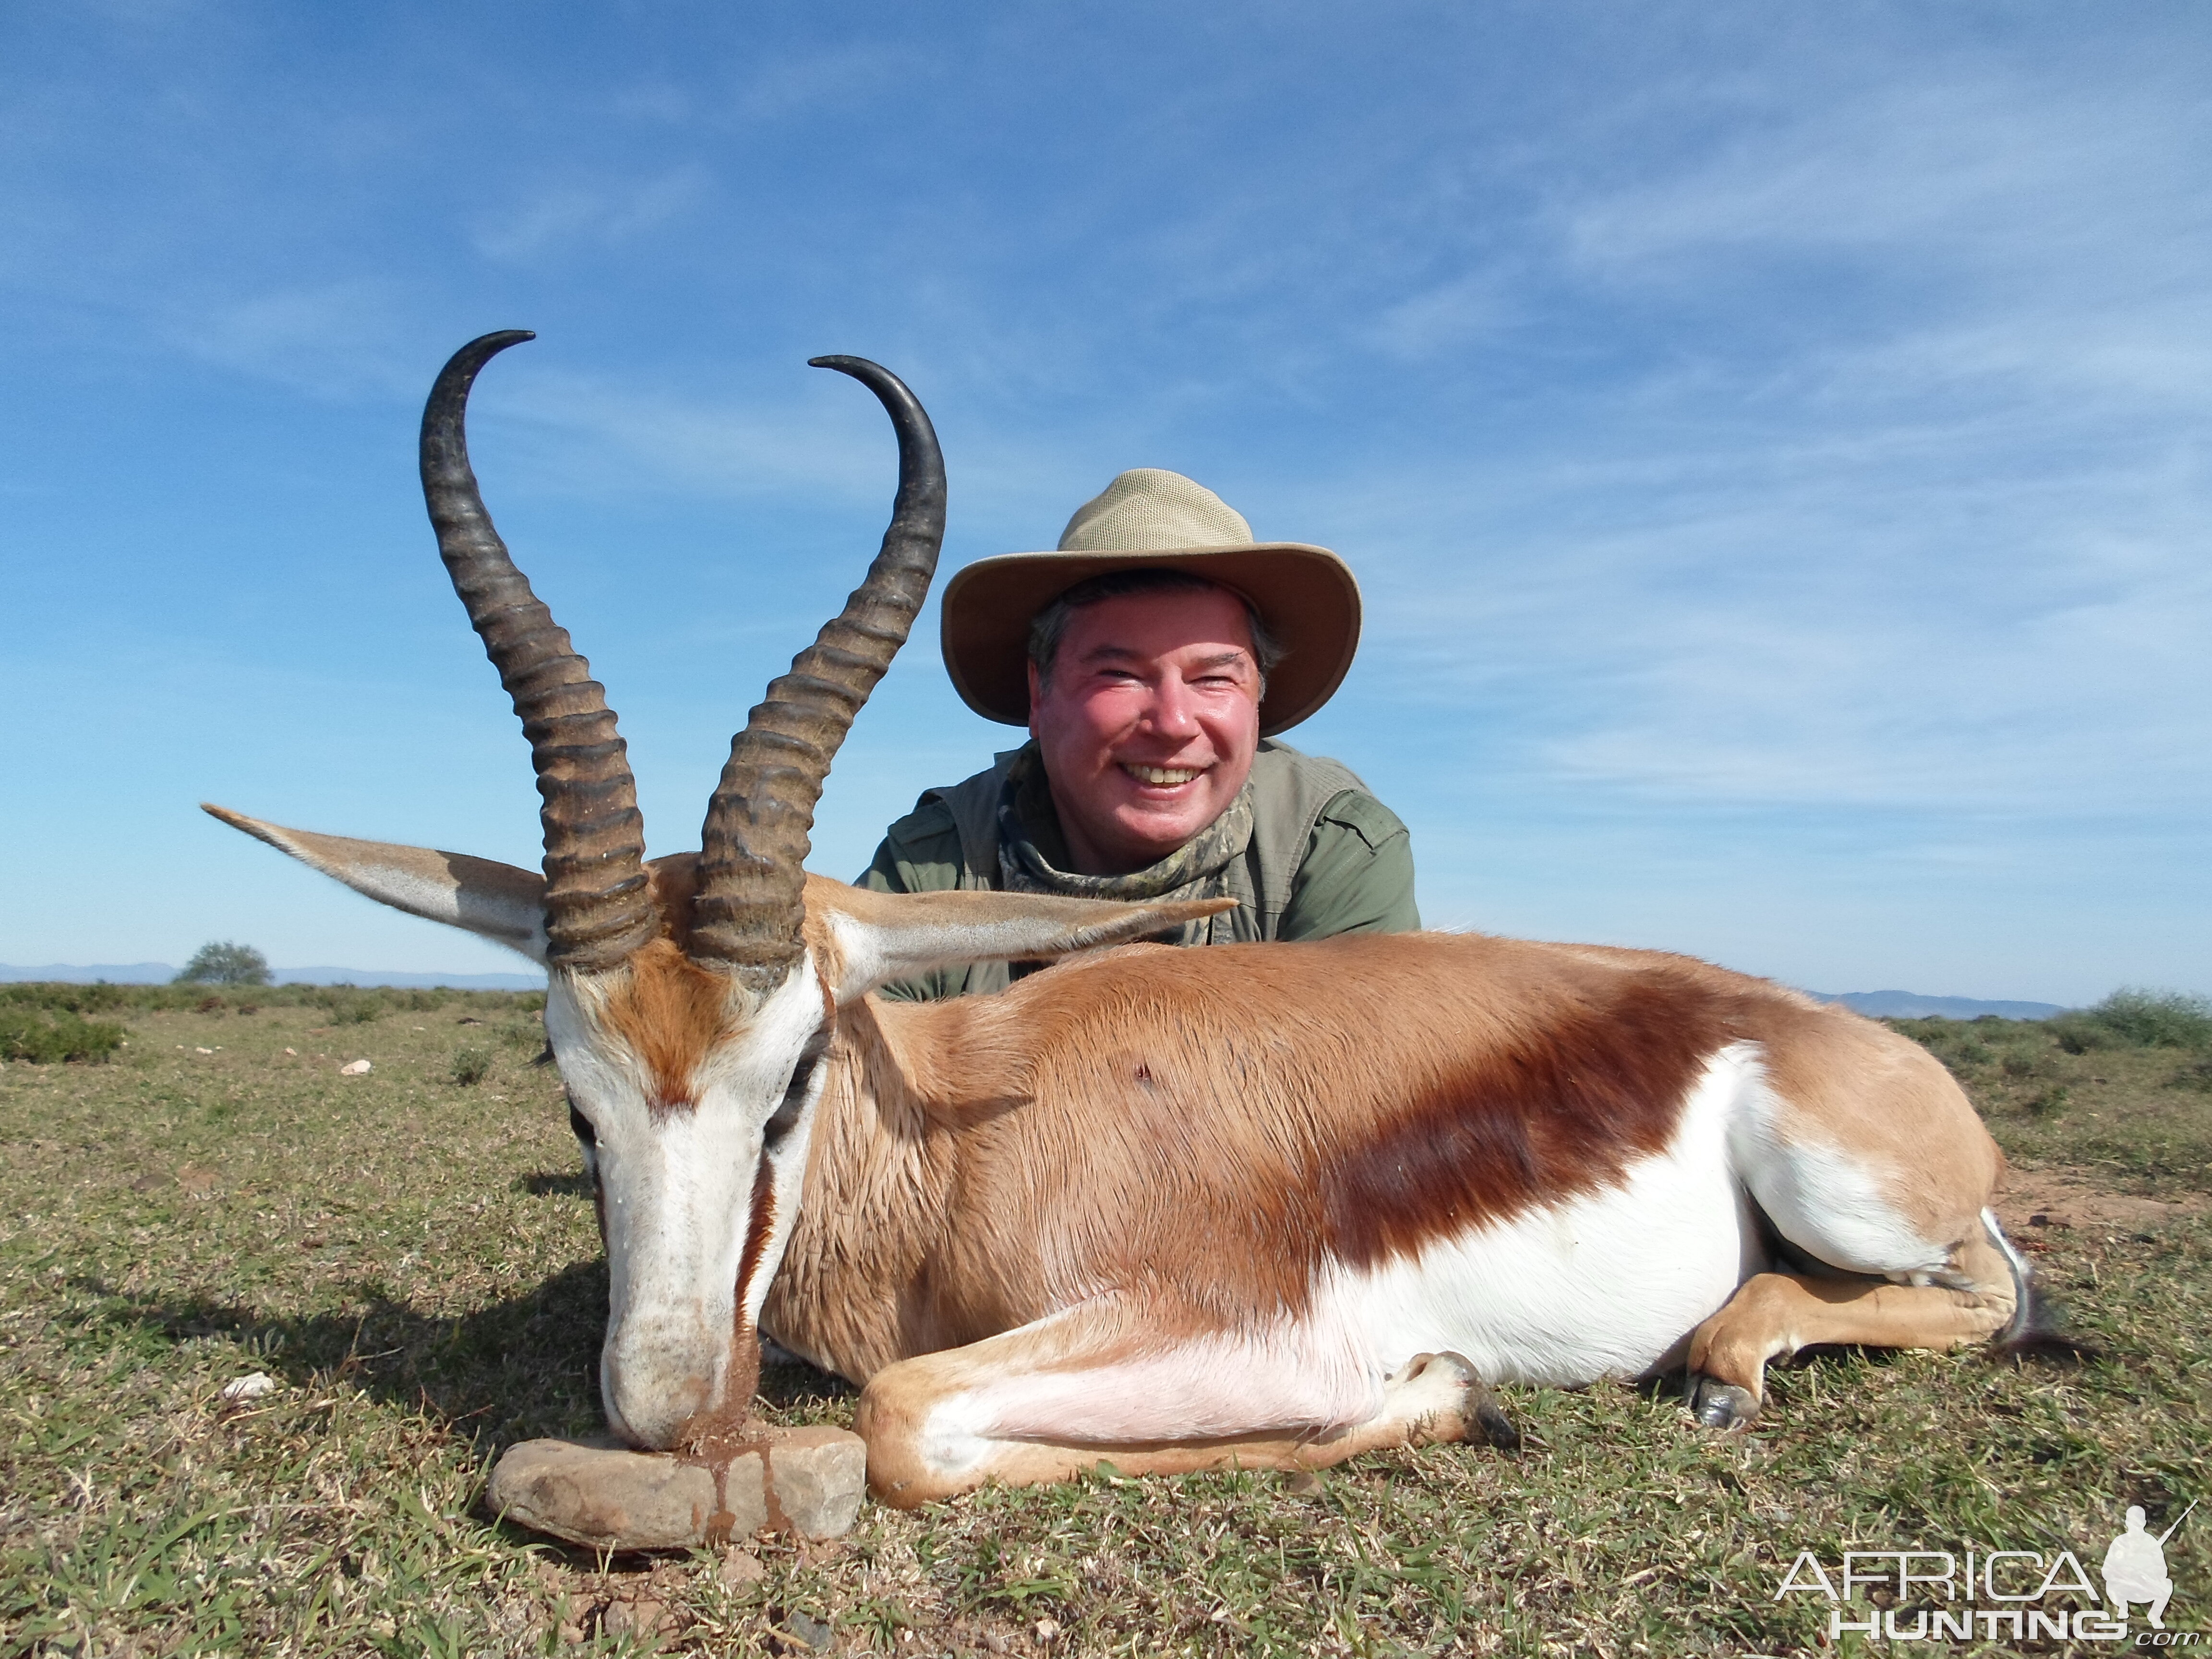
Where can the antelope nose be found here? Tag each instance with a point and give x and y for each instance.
(652, 1389)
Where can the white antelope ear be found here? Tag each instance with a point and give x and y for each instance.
(495, 901)
(887, 936)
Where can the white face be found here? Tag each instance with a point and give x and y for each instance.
(681, 1193)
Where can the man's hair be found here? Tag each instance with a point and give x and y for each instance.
(1049, 626)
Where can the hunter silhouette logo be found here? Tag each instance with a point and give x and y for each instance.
(2135, 1568)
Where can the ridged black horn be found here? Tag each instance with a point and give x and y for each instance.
(753, 850)
(597, 908)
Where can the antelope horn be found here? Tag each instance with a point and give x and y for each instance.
(746, 917)
(596, 909)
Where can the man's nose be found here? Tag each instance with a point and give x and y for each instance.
(1174, 712)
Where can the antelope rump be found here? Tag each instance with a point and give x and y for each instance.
(1270, 1205)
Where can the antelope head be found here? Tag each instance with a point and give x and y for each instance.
(690, 999)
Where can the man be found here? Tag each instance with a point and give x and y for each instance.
(1153, 657)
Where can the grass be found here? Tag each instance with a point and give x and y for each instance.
(412, 1258)
(2133, 1112)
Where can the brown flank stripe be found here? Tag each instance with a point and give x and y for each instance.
(1561, 1112)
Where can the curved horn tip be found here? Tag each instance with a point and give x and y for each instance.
(873, 375)
(481, 349)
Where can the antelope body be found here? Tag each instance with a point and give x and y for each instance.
(1271, 1204)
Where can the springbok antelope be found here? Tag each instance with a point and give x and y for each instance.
(1272, 1205)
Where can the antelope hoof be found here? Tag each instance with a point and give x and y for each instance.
(1720, 1405)
(1496, 1428)
(1471, 1413)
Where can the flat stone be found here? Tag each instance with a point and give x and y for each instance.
(615, 1499)
(611, 1498)
(819, 1477)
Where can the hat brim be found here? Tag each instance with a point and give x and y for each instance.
(1307, 595)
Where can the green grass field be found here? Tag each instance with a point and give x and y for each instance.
(411, 1258)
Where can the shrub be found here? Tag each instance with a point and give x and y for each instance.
(222, 963)
(471, 1066)
(2145, 1018)
(348, 1006)
(2081, 1033)
(24, 1035)
(2133, 1016)
(94, 998)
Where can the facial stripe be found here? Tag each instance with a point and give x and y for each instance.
(760, 1225)
(670, 1014)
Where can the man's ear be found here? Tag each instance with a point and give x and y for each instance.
(862, 938)
(493, 901)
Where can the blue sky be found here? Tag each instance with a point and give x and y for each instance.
(1772, 439)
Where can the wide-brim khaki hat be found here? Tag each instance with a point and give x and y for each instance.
(1151, 519)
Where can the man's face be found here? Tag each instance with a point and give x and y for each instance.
(1149, 724)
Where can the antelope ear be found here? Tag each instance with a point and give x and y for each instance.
(874, 936)
(494, 900)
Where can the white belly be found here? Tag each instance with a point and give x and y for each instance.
(1606, 1285)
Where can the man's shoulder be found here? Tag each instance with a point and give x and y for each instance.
(1319, 789)
(939, 811)
(1357, 811)
(932, 819)
(1275, 760)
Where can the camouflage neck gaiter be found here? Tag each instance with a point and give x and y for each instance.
(1031, 849)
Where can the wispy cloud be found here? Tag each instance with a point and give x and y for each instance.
(331, 339)
(600, 214)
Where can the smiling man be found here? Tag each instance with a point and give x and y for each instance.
(1153, 658)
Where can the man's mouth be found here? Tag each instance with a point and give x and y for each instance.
(1162, 777)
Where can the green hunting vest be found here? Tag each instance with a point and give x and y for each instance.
(1304, 834)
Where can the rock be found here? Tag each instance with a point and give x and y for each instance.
(808, 1632)
(820, 1475)
(639, 1618)
(740, 1568)
(355, 1068)
(252, 1386)
(614, 1499)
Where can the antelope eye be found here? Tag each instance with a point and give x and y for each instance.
(794, 1094)
(581, 1127)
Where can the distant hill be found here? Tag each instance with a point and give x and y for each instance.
(122, 973)
(160, 973)
(1911, 1004)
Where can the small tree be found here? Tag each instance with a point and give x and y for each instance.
(222, 963)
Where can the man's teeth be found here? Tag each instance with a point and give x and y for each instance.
(1162, 774)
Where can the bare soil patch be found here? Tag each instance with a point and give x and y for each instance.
(2034, 1206)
